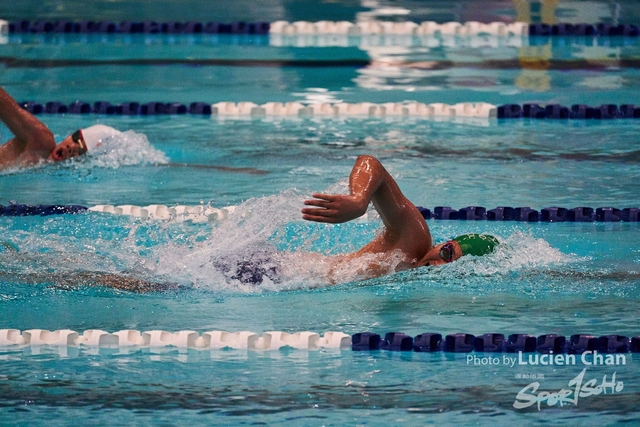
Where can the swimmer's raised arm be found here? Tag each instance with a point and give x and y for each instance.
(32, 141)
(405, 228)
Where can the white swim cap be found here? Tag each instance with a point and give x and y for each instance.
(94, 135)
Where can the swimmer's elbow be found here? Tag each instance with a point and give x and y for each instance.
(365, 158)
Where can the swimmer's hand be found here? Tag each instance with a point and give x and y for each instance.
(334, 208)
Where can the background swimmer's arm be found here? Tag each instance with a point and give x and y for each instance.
(129, 284)
(33, 140)
(92, 279)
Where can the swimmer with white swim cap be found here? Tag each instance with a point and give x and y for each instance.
(34, 142)
(89, 139)
(405, 228)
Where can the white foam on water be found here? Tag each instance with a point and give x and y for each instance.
(516, 252)
(125, 149)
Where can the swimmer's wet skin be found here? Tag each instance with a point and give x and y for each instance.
(405, 228)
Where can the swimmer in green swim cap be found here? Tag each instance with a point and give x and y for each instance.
(466, 244)
(405, 233)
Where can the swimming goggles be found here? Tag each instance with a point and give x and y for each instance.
(446, 252)
(79, 139)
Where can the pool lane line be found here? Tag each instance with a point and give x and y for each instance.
(603, 64)
(470, 28)
(14, 62)
(460, 111)
(428, 342)
(205, 213)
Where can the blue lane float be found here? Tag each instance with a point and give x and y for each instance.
(575, 112)
(527, 214)
(137, 27)
(40, 210)
(126, 108)
(496, 343)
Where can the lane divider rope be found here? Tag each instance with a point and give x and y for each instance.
(307, 340)
(279, 109)
(464, 110)
(471, 28)
(203, 213)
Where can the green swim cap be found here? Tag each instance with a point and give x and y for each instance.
(476, 244)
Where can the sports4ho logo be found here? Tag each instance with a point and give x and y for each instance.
(577, 388)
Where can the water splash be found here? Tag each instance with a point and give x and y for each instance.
(263, 246)
(249, 242)
(125, 149)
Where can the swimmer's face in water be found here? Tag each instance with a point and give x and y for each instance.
(443, 253)
(71, 146)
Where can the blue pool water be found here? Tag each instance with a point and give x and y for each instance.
(562, 278)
